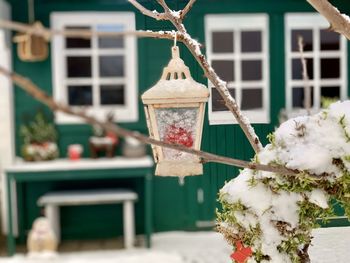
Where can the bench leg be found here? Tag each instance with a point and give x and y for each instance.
(52, 213)
(129, 225)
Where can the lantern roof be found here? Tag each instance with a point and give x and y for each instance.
(176, 85)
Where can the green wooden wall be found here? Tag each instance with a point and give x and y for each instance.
(175, 206)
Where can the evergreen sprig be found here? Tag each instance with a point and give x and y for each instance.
(38, 131)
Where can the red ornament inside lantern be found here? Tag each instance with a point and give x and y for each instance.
(179, 135)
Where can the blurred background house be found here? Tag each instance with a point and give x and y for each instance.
(251, 44)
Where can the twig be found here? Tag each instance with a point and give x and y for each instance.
(147, 12)
(32, 89)
(187, 8)
(220, 85)
(47, 33)
(307, 87)
(338, 22)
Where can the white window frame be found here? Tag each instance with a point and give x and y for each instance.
(316, 22)
(237, 23)
(122, 113)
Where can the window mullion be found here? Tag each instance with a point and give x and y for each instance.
(288, 59)
(95, 71)
(343, 70)
(237, 68)
(265, 76)
(317, 67)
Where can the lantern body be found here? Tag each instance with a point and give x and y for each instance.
(174, 109)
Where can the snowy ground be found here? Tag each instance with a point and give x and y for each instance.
(331, 245)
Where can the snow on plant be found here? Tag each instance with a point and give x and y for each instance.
(275, 213)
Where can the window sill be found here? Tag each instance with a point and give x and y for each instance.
(224, 118)
(120, 115)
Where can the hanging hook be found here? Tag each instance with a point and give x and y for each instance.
(175, 39)
(31, 11)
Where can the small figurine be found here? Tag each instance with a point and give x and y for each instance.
(103, 141)
(42, 242)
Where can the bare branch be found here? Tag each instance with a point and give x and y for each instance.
(32, 89)
(164, 5)
(187, 8)
(221, 86)
(307, 86)
(147, 12)
(47, 33)
(338, 22)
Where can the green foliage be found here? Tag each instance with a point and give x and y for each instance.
(309, 213)
(297, 184)
(342, 123)
(272, 139)
(38, 131)
(228, 211)
(327, 101)
(294, 237)
(252, 182)
(347, 158)
(341, 190)
(228, 215)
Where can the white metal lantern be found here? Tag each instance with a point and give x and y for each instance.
(175, 111)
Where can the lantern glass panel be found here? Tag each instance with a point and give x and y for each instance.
(177, 125)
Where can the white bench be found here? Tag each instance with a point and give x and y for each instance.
(53, 200)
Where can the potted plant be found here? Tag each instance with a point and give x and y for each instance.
(39, 140)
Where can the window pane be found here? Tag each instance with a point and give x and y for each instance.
(330, 68)
(79, 95)
(299, 97)
(251, 70)
(112, 95)
(252, 99)
(110, 42)
(111, 66)
(218, 103)
(297, 69)
(222, 42)
(330, 92)
(251, 41)
(72, 42)
(224, 68)
(329, 40)
(78, 67)
(307, 37)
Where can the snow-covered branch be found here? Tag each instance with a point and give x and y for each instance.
(187, 8)
(49, 33)
(33, 90)
(195, 48)
(154, 14)
(338, 22)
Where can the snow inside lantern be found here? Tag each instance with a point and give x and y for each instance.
(175, 111)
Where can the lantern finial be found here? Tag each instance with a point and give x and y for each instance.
(175, 52)
(176, 68)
